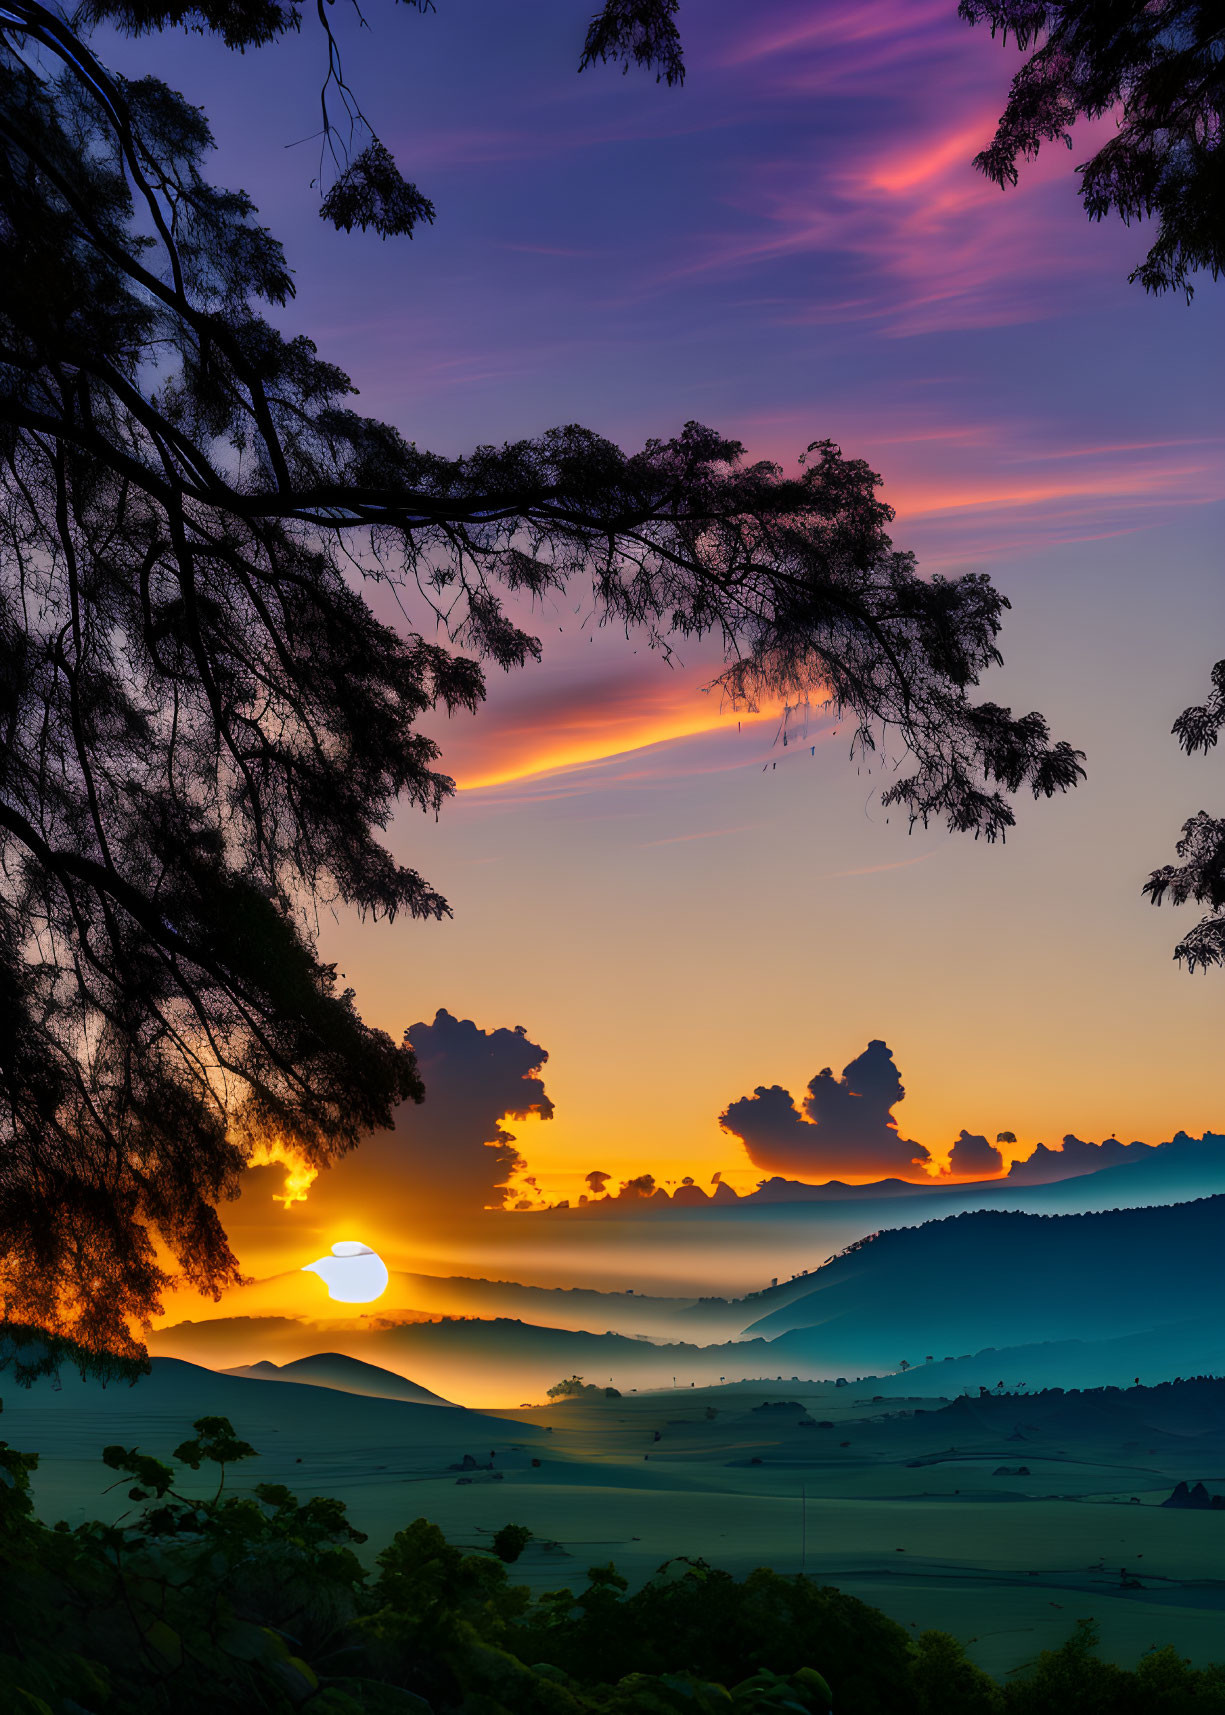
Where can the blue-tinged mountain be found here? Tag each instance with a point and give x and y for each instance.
(1004, 1279)
(1098, 1292)
(1176, 1349)
(789, 1226)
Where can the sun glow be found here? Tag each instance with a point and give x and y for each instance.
(299, 1174)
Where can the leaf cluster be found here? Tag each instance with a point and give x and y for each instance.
(188, 1604)
(1200, 876)
(1159, 66)
(574, 1387)
(637, 32)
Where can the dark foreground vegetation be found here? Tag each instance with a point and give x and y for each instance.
(256, 1602)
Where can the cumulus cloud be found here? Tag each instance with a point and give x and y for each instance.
(450, 1154)
(453, 1148)
(846, 1127)
(1074, 1159)
(972, 1157)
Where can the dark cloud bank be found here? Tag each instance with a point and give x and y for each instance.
(451, 1156)
(1076, 1157)
(973, 1157)
(454, 1148)
(846, 1126)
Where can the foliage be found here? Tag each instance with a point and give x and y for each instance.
(1201, 874)
(510, 1541)
(945, 1682)
(192, 1605)
(1159, 66)
(257, 1602)
(641, 31)
(30, 1352)
(723, 1630)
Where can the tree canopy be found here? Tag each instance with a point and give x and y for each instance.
(1200, 877)
(1159, 67)
(205, 727)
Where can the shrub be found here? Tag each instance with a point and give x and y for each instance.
(574, 1387)
(510, 1541)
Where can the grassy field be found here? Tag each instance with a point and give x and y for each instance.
(907, 1512)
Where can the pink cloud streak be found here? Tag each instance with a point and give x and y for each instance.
(940, 248)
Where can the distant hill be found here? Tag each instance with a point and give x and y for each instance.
(1154, 1354)
(1187, 1410)
(422, 1298)
(495, 1362)
(779, 1190)
(1060, 1292)
(626, 1312)
(722, 1252)
(335, 1370)
(1004, 1279)
(175, 1392)
(315, 1440)
(736, 1246)
(502, 1363)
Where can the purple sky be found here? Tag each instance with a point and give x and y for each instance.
(792, 246)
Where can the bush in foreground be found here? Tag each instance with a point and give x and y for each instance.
(257, 1602)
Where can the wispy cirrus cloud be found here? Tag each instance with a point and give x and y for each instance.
(596, 718)
(1145, 477)
(651, 769)
(1020, 500)
(905, 234)
(578, 721)
(992, 486)
(834, 41)
(853, 186)
(704, 834)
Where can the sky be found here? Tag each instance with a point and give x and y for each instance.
(676, 907)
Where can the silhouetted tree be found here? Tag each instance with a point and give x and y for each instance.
(643, 1186)
(204, 729)
(1201, 874)
(574, 1387)
(1159, 65)
(510, 1541)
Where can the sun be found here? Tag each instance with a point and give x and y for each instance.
(353, 1274)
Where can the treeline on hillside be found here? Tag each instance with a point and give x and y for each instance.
(255, 1602)
(1150, 1223)
(1036, 1276)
